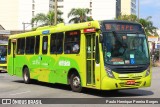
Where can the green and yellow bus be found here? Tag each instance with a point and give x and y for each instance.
(90, 54)
(3, 57)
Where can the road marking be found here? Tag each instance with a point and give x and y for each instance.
(21, 93)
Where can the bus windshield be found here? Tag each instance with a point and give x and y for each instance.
(125, 48)
(3, 52)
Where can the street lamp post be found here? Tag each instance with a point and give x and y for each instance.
(55, 10)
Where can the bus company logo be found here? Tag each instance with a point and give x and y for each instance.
(35, 62)
(64, 63)
(6, 101)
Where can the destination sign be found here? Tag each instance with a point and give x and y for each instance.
(73, 33)
(122, 27)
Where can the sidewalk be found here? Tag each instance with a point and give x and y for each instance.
(157, 64)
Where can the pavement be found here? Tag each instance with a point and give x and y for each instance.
(157, 64)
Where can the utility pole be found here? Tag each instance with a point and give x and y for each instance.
(24, 25)
(138, 9)
(55, 10)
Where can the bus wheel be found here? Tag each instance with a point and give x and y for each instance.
(26, 75)
(75, 83)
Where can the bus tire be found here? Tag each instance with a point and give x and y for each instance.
(26, 75)
(75, 83)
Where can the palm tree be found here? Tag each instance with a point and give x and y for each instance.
(148, 26)
(42, 19)
(79, 15)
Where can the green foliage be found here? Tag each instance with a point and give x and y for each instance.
(79, 15)
(146, 23)
(132, 18)
(42, 19)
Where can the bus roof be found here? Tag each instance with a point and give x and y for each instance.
(58, 28)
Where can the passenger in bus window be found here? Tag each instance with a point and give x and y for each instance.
(75, 47)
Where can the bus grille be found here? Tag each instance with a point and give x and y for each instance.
(125, 85)
(130, 78)
(129, 70)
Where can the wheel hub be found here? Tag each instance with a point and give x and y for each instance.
(76, 81)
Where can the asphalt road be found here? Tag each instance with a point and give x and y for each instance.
(13, 87)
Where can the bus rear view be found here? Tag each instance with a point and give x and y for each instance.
(126, 55)
(3, 57)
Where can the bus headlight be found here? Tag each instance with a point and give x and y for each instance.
(147, 71)
(109, 72)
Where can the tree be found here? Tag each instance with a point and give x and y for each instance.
(42, 19)
(146, 23)
(148, 26)
(79, 15)
(131, 17)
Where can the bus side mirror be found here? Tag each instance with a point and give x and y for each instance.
(101, 38)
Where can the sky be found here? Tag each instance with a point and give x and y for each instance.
(150, 8)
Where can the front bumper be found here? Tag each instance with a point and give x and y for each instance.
(116, 84)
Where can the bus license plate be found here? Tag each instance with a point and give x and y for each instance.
(130, 82)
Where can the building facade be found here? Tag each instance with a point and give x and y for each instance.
(100, 9)
(125, 7)
(103, 9)
(17, 14)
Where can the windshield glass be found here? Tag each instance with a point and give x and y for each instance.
(123, 48)
(3, 52)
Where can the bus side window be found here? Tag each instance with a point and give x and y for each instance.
(72, 42)
(30, 41)
(68, 49)
(37, 44)
(45, 45)
(20, 46)
(56, 43)
(53, 43)
(59, 40)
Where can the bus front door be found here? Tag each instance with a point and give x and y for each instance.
(90, 59)
(13, 56)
